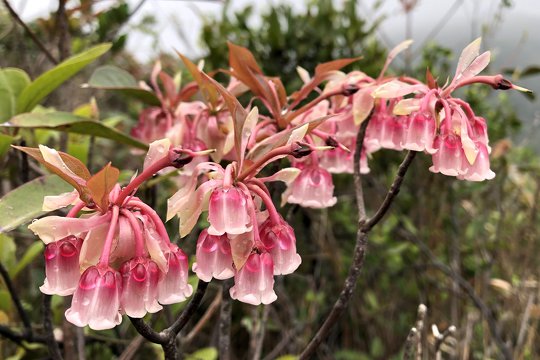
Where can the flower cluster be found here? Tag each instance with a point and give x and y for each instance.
(112, 251)
(116, 257)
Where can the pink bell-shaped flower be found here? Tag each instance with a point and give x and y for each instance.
(393, 132)
(96, 301)
(152, 125)
(420, 133)
(337, 161)
(312, 188)
(173, 287)
(140, 278)
(228, 212)
(254, 282)
(214, 258)
(480, 131)
(372, 141)
(479, 171)
(280, 242)
(449, 157)
(62, 268)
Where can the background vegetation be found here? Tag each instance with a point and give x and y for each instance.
(453, 246)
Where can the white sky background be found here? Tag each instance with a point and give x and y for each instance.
(514, 40)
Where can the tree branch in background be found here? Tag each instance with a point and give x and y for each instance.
(364, 226)
(225, 314)
(54, 349)
(469, 290)
(33, 36)
(167, 337)
(28, 333)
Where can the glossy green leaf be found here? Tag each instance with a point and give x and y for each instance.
(12, 82)
(24, 203)
(30, 254)
(47, 82)
(5, 141)
(67, 122)
(110, 77)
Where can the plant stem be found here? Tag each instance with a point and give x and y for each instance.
(54, 349)
(225, 314)
(18, 305)
(364, 226)
(142, 177)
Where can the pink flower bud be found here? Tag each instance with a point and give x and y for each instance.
(312, 188)
(280, 242)
(228, 212)
(173, 287)
(140, 278)
(96, 301)
(62, 268)
(214, 257)
(254, 282)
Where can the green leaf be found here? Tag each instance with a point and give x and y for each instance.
(12, 82)
(209, 353)
(67, 122)
(50, 80)
(7, 251)
(30, 254)
(24, 203)
(110, 77)
(5, 141)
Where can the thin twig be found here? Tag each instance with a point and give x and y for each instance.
(364, 226)
(212, 308)
(261, 333)
(392, 192)
(132, 348)
(167, 337)
(190, 309)
(225, 314)
(54, 349)
(469, 290)
(62, 26)
(33, 36)
(410, 344)
(149, 333)
(420, 320)
(18, 305)
(441, 338)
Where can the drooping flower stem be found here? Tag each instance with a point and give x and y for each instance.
(142, 177)
(312, 103)
(272, 212)
(148, 211)
(75, 209)
(137, 232)
(279, 151)
(105, 254)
